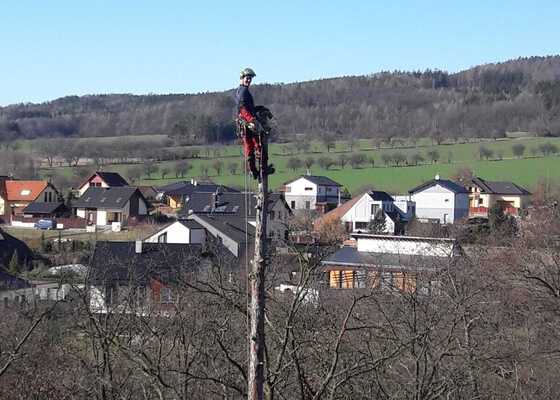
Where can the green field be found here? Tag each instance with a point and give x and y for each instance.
(524, 171)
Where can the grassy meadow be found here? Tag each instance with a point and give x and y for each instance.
(502, 165)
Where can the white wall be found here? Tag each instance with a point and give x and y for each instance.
(2, 206)
(179, 233)
(297, 193)
(435, 202)
(81, 212)
(443, 248)
(101, 217)
(361, 212)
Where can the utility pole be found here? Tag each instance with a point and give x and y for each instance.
(256, 283)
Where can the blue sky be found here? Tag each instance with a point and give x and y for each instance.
(51, 49)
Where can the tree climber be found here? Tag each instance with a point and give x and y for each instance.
(252, 122)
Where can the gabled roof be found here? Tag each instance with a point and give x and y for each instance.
(231, 226)
(228, 203)
(188, 188)
(378, 195)
(112, 197)
(189, 223)
(113, 179)
(38, 207)
(450, 185)
(498, 187)
(337, 213)
(119, 261)
(24, 190)
(318, 180)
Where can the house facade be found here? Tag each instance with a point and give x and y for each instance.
(102, 179)
(404, 263)
(440, 200)
(15, 196)
(484, 194)
(310, 192)
(104, 206)
(375, 209)
(143, 278)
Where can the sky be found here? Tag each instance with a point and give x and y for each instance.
(50, 49)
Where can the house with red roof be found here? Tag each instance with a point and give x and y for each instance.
(16, 195)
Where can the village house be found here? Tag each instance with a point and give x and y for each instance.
(373, 210)
(405, 263)
(484, 194)
(103, 206)
(143, 278)
(177, 193)
(229, 232)
(229, 203)
(309, 192)
(185, 231)
(102, 179)
(16, 195)
(440, 200)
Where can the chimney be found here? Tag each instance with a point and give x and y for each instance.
(138, 246)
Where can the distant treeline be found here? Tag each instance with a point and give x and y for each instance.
(484, 101)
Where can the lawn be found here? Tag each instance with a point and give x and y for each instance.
(525, 171)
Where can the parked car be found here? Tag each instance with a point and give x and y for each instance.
(44, 224)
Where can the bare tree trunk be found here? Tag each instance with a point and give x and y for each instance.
(257, 282)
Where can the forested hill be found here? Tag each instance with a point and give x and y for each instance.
(487, 100)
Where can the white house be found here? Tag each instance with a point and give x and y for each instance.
(310, 192)
(102, 206)
(359, 213)
(440, 200)
(183, 231)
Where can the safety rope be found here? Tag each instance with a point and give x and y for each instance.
(247, 282)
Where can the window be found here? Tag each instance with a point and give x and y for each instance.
(45, 197)
(6, 302)
(480, 201)
(162, 238)
(360, 225)
(447, 200)
(308, 188)
(347, 279)
(165, 295)
(292, 204)
(307, 205)
(374, 209)
(272, 215)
